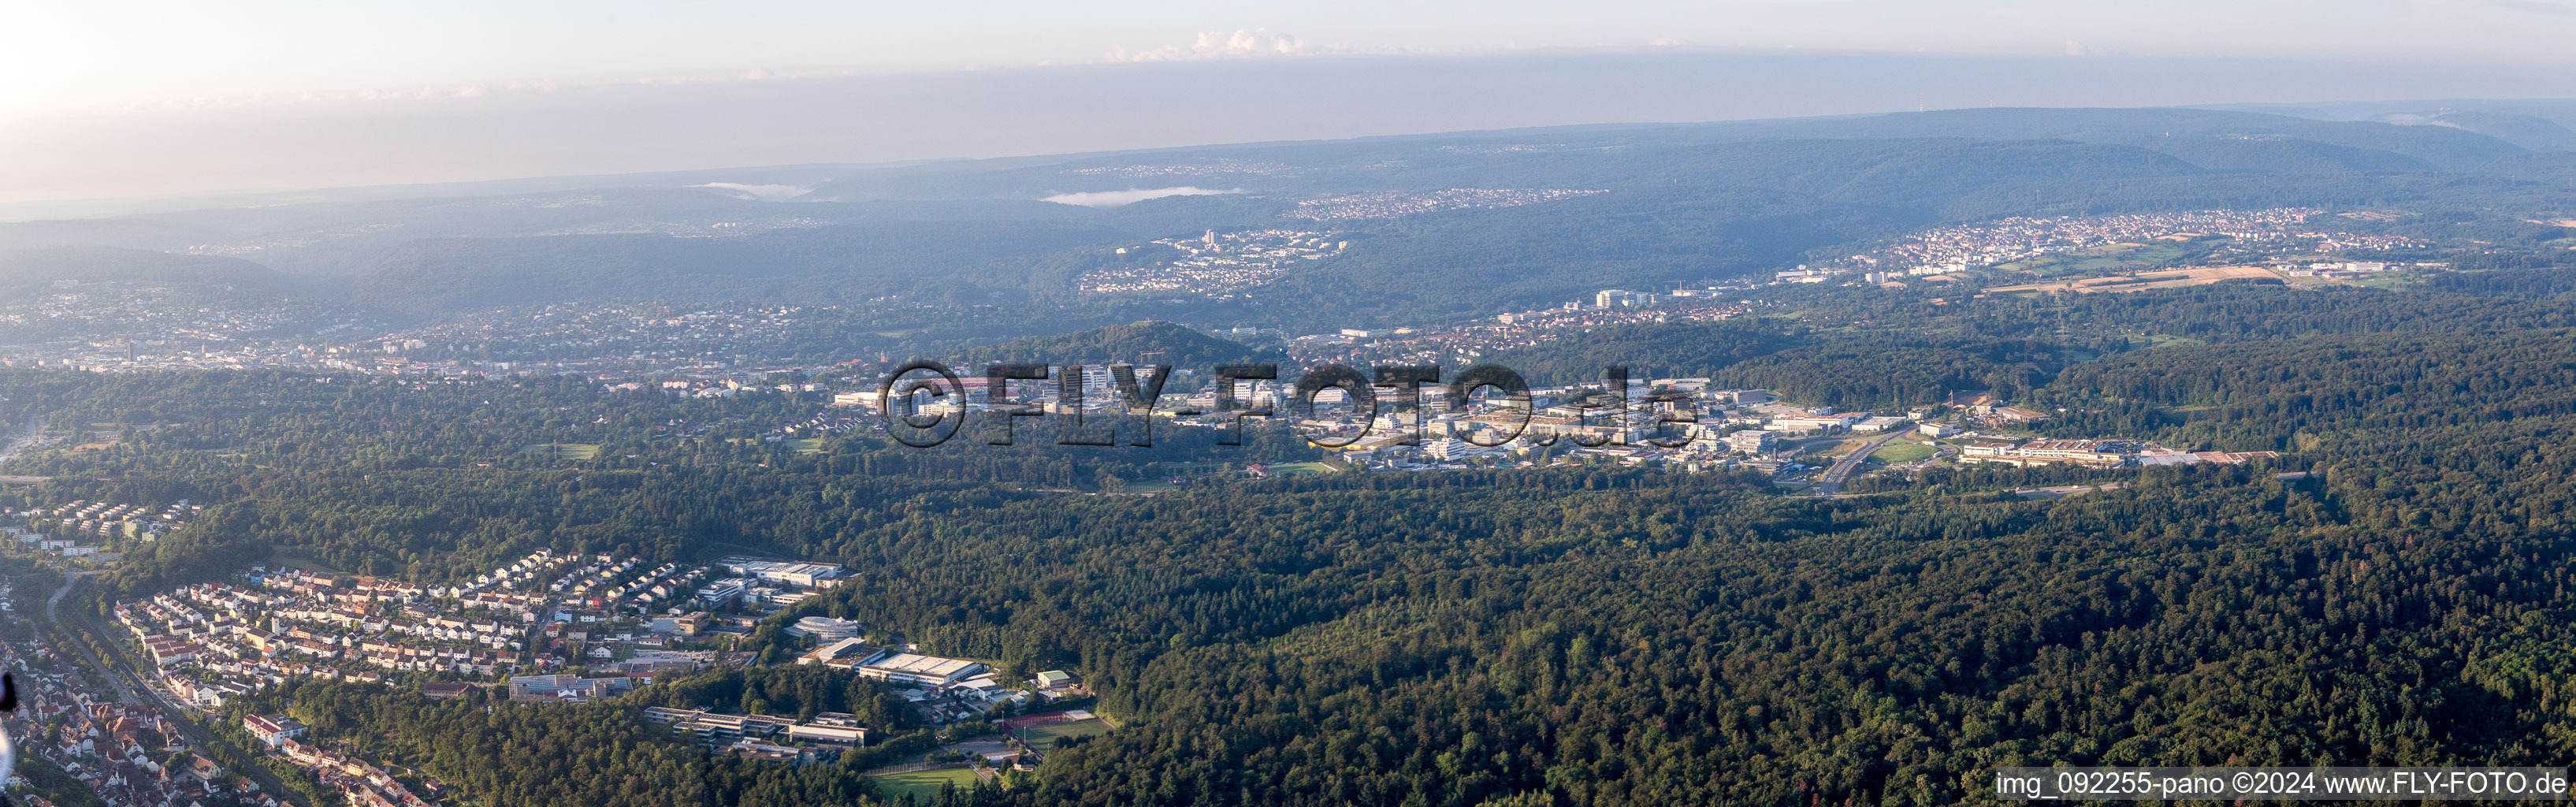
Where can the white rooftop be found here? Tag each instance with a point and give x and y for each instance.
(921, 665)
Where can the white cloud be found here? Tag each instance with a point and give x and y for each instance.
(1132, 195)
(1220, 45)
(768, 192)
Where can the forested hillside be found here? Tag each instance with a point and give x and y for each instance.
(25, 272)
(1571, 637)
(1172, 344)
(2392, 587)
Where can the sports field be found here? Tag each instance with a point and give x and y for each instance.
(1301, 469)
(1044, 737)
(1041, 731)
(924, 784)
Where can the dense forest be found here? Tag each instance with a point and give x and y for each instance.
(555, 755)
(1574, 637)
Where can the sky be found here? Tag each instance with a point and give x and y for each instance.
(110, 99)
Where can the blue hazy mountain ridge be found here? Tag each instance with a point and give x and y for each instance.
(1687, 202)
(825, 263)
(36, 270)
(2528, 131)
(2538, 124)
(2446, 148)
(1737, 212)
(1351, 160)
(1392, 162)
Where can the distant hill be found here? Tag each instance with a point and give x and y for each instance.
(1685, 202)
(1719, 211)
(2205, 131)
(2528, 131)
(821, 264)
(36, 271)
(2538, 124)
(1180, 347)
(1675, 350)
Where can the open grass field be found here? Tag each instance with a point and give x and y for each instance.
(1832, 447)
(280, 558)
(1301, 469)
(809, 445)
(2164, 279)
(924, 785)
(1902, 451)
(2111, 259)
(1043, 737)
(563, 451)
(1827, 446)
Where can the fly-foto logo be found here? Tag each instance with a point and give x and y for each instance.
(925, 403)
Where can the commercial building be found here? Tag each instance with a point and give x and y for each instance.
(788, 572)
(2095, 453)
(1617, 298)
(537, 687)
(1812, 424)
(851, 651)
(1876, 424)
(824, 628)
(273, 729)
(838, 735)
(1753, 441)
(907, 668)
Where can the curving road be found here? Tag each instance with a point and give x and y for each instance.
(115, 677)
(1832, 482)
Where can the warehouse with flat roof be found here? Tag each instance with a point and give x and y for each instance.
(789, 572)
(908, 668)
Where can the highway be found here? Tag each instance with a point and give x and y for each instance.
(1832, 482)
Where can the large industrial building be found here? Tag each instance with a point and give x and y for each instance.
(789, 572)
